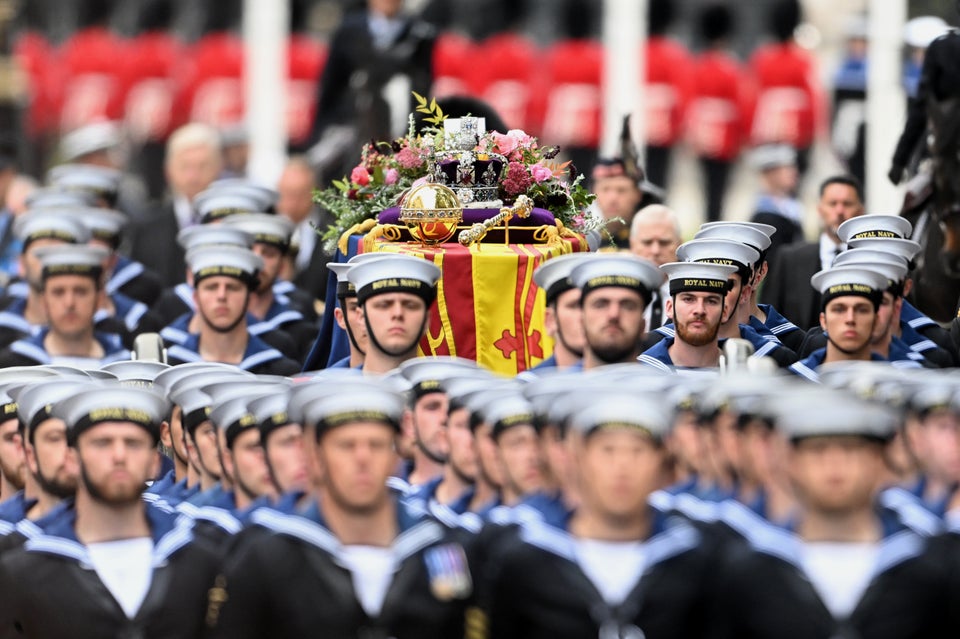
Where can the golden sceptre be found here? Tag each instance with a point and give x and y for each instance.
(522, 208)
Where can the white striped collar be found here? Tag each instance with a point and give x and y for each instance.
(910, 511)
(31, 350)
(179, 536)
(275, 322)
(174, 335)
(654, 362)
(185, 293)
(679, 537)
(407, 543)
(262, 357)
(804, 371)
(18, 323)
(124, 276)
(184, 354)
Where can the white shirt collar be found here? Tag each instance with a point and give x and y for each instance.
(829, 250)
(183, 210)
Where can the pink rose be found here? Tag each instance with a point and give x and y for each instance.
(504, 144)
(540, 173)
(360, 175)
(391, 176)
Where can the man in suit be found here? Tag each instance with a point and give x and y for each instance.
(376, 58)
(787, 287)
(295, 202)
(194, 159)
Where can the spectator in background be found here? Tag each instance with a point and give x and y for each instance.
(655, 236)
(193, 161)
(849, 131)
(718, 120)
(295, 190)
(787, 286)
(376, 58)
(668, 90)
(618, 196)
(789, 104)
(777, 204)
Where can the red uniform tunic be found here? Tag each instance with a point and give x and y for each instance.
(305, 60)
(214, 91)
(505, 75)
(718, 117)
(669, 88)
(568, 97)
(789, 106)
(92, 65)
(152, 80)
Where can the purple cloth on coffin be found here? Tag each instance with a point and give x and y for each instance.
(538, 217)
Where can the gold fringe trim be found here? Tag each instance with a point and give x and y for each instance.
(357, 229)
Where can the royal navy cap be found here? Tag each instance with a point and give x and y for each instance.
(213, 235)
(393, 274)
(544, 393)
(720, 252)
(643, 413)
(194, 404)
(46, 224)
(233, 418)
(894, 267)
(874, 226)
(36, 398)
(8, 406)
(935, 396)
(621, 270)
(329, 381)
(167, 378)
(136, 372)
(105, 225)
(214, 205)
(825, 412)
(112, 403)
(849, 280)
(89, 138)
(772, 156)
(73, 259)
(49, 197)
(98, 180)
(265, 198)
(767, 229)
(344, 287)
(510, 411)
(750, 235)
(907, 249)
(229, 261)
(265, 228)
(426, 374)
(271, 411)
(699, 277)
(225, 390)
(553, 275)
(460, 389)
(369, 401)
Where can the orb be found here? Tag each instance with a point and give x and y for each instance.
(431, 212)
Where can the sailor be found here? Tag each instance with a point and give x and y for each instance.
(930, 434)
(49, 479)
(152, 570)
(123, 274)
(23, 314)
(357, 559)
(891, 233)
(698, 292)
(848, 566)
(597, 573)
(271, 241)
(349, 317)
(70, 280)
(614, 290)
(282, 440)
(850, 299)
(764, 318)
(562, 315)
(395, 294)
(224, 278)
(425, 420)
(12, 465)
(736, 319)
